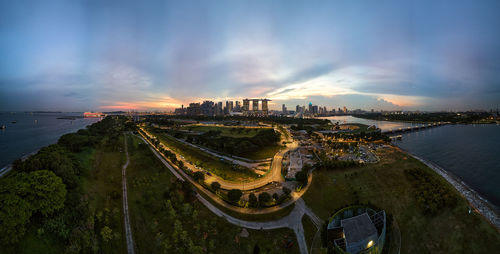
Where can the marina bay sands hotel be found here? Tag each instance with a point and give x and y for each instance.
(264, 109)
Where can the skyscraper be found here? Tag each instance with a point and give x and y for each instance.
(246, 104)
(283, 109)
(265, 108)
(255, 104)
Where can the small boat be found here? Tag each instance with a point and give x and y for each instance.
(36, 121)
(2, 127)
(14, 121)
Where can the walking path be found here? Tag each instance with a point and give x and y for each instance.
(128, 231)
(293, 220)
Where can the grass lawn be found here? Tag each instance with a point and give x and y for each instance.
(384, 184)
(264, 152)
(205, 160)
(228, 131)
(309, 230)
(149, 183)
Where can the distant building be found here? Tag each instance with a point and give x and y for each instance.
(255, 104)
(283, 109)
(194, 109)
(237, 108)
(265, 107)
(246, 105)
(93, 114)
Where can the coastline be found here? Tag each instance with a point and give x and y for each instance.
(480, 204)
(8, 168)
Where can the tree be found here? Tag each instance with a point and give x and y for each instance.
(106, 233)
(15, 213)
(301, 177)
(264, 197)
(252, 200)
(276, 196)
(215, 186)
(46, 191)
(286, 191)
(234, 195)
(199, 176)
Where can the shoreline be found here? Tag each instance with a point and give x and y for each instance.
(476, 201)
(8, 167)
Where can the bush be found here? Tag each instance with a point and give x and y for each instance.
(234, 195)
(301, 177)
(215, 186)
(252, 200)
(264, 197)
(276, 196)
(286, 191)
(199, 176)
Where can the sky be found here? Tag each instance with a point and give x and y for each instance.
(156, 55)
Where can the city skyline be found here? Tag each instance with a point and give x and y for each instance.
(81, 56)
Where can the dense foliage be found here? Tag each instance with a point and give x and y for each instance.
(431, 195)
(45, 192)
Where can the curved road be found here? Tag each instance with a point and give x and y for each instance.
(293, 220)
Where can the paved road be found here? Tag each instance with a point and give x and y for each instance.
(128, 231)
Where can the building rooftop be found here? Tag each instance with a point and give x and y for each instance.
(358, 228)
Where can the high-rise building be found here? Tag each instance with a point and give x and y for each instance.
(345, 110)
(314, 109)
(265, 107)
(219, 110)
(246, 105)
(310, 108)
(237, 108)
(194, 109)
(229, 107)
(297, 109)
(255, 104)
(283, 109)
(207, 108)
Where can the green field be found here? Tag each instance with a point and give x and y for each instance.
(155, 230)
(451, 230)
(206, 161)
(228, 131)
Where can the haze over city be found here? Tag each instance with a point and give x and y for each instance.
(131, 55)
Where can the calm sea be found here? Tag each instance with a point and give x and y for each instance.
(470, 152)
(34, 131)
